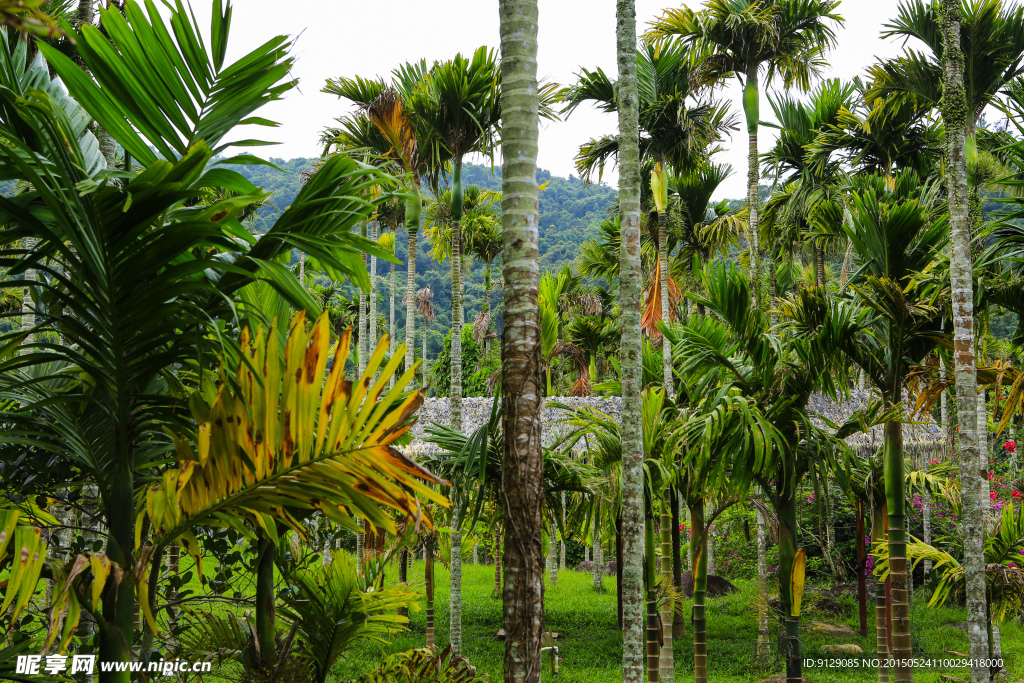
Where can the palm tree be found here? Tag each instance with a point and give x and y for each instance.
(153, 249)
(730, 357)
(630, 350)
(521, 382)
(959, 127)
(462, 111)
(896, 232)
(388, 127)
(425, 305)
(674, 134)
(789, 38)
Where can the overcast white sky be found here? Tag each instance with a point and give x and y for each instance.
(344, 37)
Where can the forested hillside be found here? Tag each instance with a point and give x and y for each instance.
(570, 212)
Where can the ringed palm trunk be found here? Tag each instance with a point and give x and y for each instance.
(751, 109)
(895, 499)
(522, 384)
(667, 673)
(455, 594)
(392, 332)
(598, 548)
(630, 349)
(428, 579)
(878, 525)
(455, 402)
(371, 323)
(666, 346)
(678, 616)
(361, 343)
(957, 119)
(552, 559)
(497, 560)
(651, 578)
(862, 588)
(412, 223)
(699, 562)
(28, 314)
(763, 647)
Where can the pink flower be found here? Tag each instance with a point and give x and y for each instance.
(934, 462)
(1010, 446)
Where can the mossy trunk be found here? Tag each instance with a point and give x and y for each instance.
(522, 385)
(630, 285)
(455, 592)
(958, 120)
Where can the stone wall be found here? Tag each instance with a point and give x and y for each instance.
(476, 411)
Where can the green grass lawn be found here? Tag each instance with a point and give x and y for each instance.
(591, 644)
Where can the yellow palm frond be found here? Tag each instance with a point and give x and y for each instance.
(291, 434)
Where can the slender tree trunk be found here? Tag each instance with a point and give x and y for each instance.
(403, 576)
(561, 539)
(28, 312)
(265, 601)
(552, 558)
(878, 526)
(361, 548)
(763, 647)
(678, 614)
(361, 342)
(598, 550)
(895, 499)
(455, 400)
(862, 588)
(667, 665)
(371, 323)
(116, 634)
(956, 116)
(651, 579)
(751, 109)
(522, 384)
(666, 346)
(630, 350)
(423, 358)
(787, 514)
(819, 259)
(698, 560)
(428, 579)
(392, 332)
(455, 588)
(497, 560)
(618, 565)
(982, 421)
(412, 224)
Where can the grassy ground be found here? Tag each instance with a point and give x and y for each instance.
(591, 644)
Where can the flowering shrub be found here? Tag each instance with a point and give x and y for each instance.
(1010, 446)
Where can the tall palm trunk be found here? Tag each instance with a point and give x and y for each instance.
(522, 384)
(552, 559)
(455, 587)
(362, 341)
(403, 576)
(762, 588)
(392, 332)
(819, 260)
(423, 357)
(371, 326)
(895, 500)
(788, 591)
(497, 560)
(428, 579)
(28, 314)
(455, 402)
(561, 538)
(630, 350)
(412, 223)
(862, 605)
(651, 579)
(667, 667)
(678, 615)
(878, 526)
(266, 630)
(751, 109)
(698, 560)
(598, 548)
(116, 633)
(956, 117)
